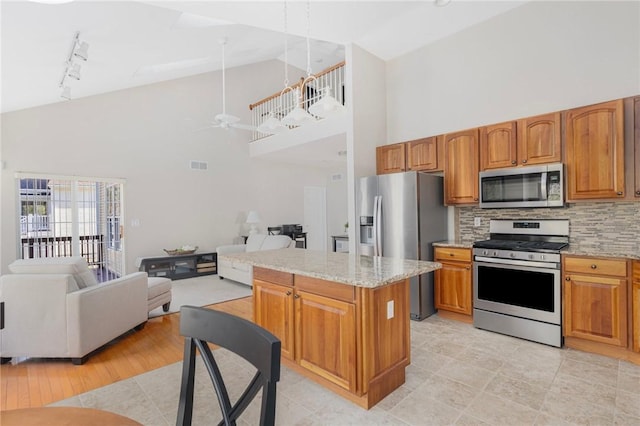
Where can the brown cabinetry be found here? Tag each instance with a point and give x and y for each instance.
(529, 141)
(594, 138)
(498, 146)
(425, 154)
(353, 340)
(635, 305)
(461, 167)
(391, 158)
(595, 299)
(453, 283)
(635, 145)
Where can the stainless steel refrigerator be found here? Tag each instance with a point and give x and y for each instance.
(401, 215)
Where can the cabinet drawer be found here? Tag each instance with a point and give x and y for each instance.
(269, 275)
(596, 265)
(325, 288)
(451, 253)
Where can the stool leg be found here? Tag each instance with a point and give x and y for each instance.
(165, 307)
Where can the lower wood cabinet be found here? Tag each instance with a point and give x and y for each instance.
(635, 306)
(453, 283)
(353, 340)
(595, 299)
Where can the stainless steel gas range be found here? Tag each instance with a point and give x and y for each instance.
(516, 280)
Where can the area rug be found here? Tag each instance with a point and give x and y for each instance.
(202, 291)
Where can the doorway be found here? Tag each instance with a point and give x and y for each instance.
(64, 216)
(315, 217)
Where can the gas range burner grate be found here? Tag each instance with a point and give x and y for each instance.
(539, 246)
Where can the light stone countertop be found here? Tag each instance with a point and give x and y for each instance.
(359, 271)
(453, 243)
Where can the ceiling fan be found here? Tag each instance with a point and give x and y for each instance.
(224, 120)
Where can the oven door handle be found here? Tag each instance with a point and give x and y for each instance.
(530, 263)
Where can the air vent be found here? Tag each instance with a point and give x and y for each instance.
(336, 177)
(198, 165)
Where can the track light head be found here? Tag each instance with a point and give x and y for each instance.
(82, 51)
(74, 71)
(66, 93)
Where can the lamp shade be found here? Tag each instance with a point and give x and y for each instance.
(327, 105)
(253, 217)
(272, 125)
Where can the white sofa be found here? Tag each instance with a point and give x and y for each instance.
(54, 308)
(243, 272)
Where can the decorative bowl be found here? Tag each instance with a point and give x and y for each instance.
(180, 251)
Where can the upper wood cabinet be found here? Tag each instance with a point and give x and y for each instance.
(498, 147)
(391, 158)
(425, 154)
(528, 141)
(461, 167)
(539, 139)
(636, 146)
(594, 138)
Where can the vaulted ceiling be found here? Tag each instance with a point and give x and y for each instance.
(134, 43)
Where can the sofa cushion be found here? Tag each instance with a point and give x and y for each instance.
(76, 266)
(254, 242)
(157, 286)
(273, 242)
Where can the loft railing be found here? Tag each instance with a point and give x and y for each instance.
(279, 106)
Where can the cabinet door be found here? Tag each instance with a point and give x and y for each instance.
(273, 310)
(453, 291)
(423, 154)
(391, 158)
(498, 146)
(595, 308)
(326, 338)
(539, 139)
(594, 138)
(461, 167)
(636, 147)
(635, 306)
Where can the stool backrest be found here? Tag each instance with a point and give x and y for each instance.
(244, 338)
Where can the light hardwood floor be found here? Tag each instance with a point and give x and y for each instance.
(38, 382)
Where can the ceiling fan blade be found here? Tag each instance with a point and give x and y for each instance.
(244, 127)
(226, 118)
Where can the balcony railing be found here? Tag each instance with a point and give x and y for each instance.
(279, 106)
(91, 248)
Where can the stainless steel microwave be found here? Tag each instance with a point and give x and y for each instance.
(530, 186)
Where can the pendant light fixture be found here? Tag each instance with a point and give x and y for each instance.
(298, 116)
(327, 105)
(272, 125)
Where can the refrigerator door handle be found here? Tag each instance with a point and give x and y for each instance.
(375, 226)
(378, 225)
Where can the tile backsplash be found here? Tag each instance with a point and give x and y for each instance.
(599, 228)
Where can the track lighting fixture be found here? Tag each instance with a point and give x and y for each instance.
(79, 50)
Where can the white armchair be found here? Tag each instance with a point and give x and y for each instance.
(54, 308)
(243, 272)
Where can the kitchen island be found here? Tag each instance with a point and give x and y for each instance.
(343, 319)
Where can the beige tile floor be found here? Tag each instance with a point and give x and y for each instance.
(459, 375)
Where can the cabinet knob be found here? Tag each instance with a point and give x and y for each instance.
(288, 293)
(450, 254)
(297, 296)
(567, 278)
(524, 161)
(637, 192)
(594, 266)
(620, 193)
(467, 268)
(514, 162)
(475, 199)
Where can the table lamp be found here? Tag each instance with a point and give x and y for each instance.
(253, 219)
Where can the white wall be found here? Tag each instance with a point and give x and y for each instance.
(541, 57)
(146, 136)
(365, 83)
